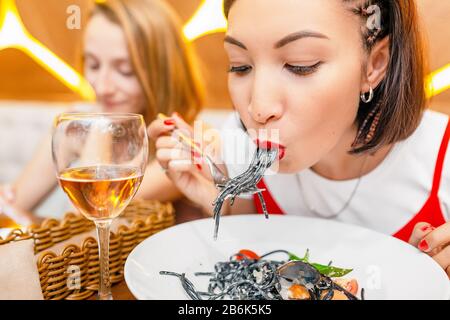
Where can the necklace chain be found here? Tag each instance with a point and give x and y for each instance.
(346, 204)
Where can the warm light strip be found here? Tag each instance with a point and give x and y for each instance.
(438, 81)
(208, 18)
(14, 35)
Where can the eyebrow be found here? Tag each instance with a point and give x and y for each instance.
(284, 41)
(88, 54)
(297, 36)
(232, 40)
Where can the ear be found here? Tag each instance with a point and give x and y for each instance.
(377, 64)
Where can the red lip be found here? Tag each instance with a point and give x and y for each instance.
(266, 144)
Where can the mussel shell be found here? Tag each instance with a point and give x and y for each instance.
(299, 272)
(296, 272)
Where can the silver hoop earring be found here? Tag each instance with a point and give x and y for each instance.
(368, 99)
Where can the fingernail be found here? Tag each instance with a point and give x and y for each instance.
(197, 160)
(195, 154)
(423, 245)
(427, 228)
(169, 122)
(199, 167)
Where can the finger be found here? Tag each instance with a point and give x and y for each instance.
(436, 238)
(443, 258)
(421, 229)
(160, 127)
(184, 165)
(164, 156)
(167, 155)
(187, 130)
(181, 124)
(167, 142)
(171, 143)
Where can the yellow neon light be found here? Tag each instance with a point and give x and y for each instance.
(13, 34)
(208, 18)
(438, 81)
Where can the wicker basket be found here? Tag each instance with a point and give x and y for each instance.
(81, 263)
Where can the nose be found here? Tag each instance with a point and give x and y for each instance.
(266, 99)
(103, 84)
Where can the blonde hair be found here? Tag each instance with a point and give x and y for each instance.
(162, 58)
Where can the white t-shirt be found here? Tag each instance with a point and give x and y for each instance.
(386, 199)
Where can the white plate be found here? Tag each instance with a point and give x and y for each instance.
(385, 267)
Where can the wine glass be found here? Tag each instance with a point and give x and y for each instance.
(100, 159)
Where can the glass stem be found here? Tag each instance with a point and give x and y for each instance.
(104, 288)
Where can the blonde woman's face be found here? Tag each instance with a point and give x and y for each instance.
(108, 68)
(296, 68)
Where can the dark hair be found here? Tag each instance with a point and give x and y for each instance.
(399, 100)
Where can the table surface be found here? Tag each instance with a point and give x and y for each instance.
(120, 291)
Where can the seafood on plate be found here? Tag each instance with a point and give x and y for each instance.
(248, 276)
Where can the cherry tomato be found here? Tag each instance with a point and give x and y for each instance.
(247, 254)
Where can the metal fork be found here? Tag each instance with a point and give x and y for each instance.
(219, 177)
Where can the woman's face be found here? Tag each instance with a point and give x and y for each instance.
(296, 70)
(108, 68)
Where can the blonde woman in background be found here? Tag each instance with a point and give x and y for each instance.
(137, 60)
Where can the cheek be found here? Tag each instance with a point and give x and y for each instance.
(131, 92)
(240, 93)
(320, 109)
(90, 76)
(129, 86)
(328, 100)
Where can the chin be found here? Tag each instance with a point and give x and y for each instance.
(287, 167)
(117, 107)
(281, 167)
(109, 108)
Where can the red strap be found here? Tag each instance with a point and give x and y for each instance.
(272, 206)
(440, 161)
(431, 211)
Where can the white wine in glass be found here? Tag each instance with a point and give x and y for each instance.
(100, 192)
(100, 159)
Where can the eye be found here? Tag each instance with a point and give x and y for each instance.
(92, 65)
(303, 70)
(127, 72)
(240, 70)
(90, 62)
